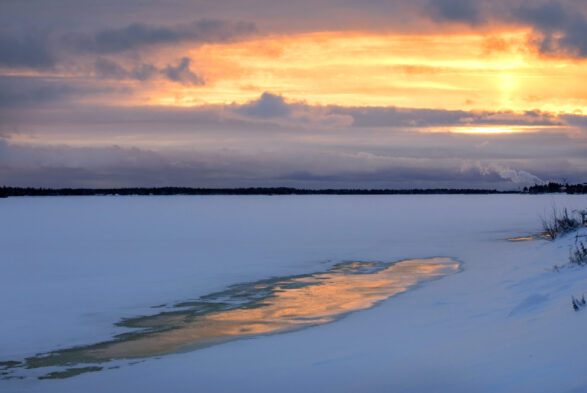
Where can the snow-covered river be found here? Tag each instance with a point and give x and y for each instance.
(73, 268)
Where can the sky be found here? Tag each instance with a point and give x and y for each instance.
(310, 94)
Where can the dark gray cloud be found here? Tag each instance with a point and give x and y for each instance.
(559, 26)
(44, 49)
(575, 120)
(406, 117)
(270, 141)
(31, 50)
(109, 69)
(137, 35)
(63, 166)
(269, 112)
(23, 92)
(546, 16)
(455, 10)
(272, 107)
(267, 106)
(115, 28)
(181, 73)
(558, 30)
(143, 72)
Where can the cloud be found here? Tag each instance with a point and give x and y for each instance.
(108, 69)
(546, 16)
(455, 10)
(272, 108)
(409, 117)
(38, 49)
(558, 30)
(30, 51)
(181, 73)
(274, 141)
(25, 92)
(576, 120)
(203, 151)
(137, 35)
(114, 166)
(268, 112)
(143, 72)
(559, 27)
(267, 106)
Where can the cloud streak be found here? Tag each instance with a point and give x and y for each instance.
(182, 73)
(140, 35)
(466, 11)
(64, 166)
(108, 69)
(22, 92)
(31, 50)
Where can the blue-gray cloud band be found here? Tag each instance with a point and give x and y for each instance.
(43, 49)
(138, 35)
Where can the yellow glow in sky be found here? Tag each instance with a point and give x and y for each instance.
(354, 69)
(495, 129)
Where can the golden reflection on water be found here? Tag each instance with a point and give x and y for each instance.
(529, 238)
(270, 306)
(521, 239)
(292, 303)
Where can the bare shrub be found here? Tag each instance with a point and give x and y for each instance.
(558, 223)
(583, 214)
(578, 254)
(578, 303)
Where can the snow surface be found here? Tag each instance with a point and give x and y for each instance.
(71, 267)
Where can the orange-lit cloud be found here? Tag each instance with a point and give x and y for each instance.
(356, 69)
(377, 93)
(500, 71)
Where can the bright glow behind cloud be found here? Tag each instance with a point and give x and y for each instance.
(350, 69)
(377, 94)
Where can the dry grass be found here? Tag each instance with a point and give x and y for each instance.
(578, 254)
(559, 223)
(578, 303)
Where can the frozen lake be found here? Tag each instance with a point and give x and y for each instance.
(73, 268)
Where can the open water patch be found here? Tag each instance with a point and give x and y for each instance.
(275, 305)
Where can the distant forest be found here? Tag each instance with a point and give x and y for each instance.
(22, 191)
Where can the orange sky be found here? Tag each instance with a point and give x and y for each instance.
(498, 71)
(372, 93)
(479, 72)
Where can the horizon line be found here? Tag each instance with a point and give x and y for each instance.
(6, 191)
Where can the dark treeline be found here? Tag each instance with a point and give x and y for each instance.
(22, 191)
(557, 187)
